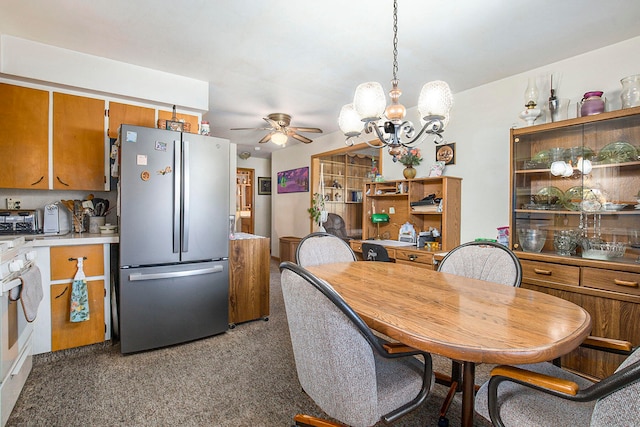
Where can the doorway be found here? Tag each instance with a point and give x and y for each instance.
(245, 220)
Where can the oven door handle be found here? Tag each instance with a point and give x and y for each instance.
(23, 357)
(6, 287)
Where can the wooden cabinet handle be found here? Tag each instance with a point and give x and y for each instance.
(625, 283)
(63, 292)
(61, 181)
(38, 181)
(540, 271)
(412, 257)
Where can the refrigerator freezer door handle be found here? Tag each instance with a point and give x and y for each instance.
(185, 196)
(177, 183)
(153, 276)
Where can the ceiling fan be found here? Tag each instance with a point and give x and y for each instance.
(280, 129)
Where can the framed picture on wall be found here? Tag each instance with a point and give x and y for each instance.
(446, 153)
(264, 186)
(293, 180)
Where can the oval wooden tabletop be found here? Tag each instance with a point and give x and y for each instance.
(460, 318)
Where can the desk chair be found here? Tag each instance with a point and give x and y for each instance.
(335, 225)
(341, 364)
(323, 248)
(543, 394)
(373, 252)
(487, 261)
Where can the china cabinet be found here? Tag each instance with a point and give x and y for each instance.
(575, 221)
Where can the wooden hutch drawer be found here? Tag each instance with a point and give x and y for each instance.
(541, 273)
(415, 256)
(609, 280)
(356, 245)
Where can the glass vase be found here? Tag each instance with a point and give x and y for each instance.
(630, 95)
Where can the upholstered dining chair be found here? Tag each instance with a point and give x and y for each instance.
(543, 394)
(373, 252)
(341, 364)
(487, 261)
(323, 248)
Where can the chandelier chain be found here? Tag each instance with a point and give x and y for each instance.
(395, 40)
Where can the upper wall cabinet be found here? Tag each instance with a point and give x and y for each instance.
(78, 143)
(129, 114)
(188, 118)
(24, 143)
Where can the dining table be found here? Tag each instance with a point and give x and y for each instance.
(467, 320)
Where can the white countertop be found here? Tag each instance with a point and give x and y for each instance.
(70, 239)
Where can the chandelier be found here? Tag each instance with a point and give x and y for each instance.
(368, 114)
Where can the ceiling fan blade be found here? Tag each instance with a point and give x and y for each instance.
(265, 138)
(312, 130)
(273, 123)
(250, 129)
(300, 137)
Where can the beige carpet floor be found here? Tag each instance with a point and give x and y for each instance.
(243, 378)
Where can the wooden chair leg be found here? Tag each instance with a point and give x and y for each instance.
(302, 420)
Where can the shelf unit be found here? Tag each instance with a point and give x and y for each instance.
(395, 197)
(607, 287)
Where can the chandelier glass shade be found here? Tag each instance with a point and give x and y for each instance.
(369, 112)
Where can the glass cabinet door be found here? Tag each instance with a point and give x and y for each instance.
(576, 187)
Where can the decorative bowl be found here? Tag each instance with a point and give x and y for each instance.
(597, 249)
(532, 240)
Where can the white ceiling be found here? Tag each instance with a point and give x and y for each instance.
(305, 58)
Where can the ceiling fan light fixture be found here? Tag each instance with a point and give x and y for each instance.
(279, 138)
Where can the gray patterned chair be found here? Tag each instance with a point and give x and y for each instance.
(543, 394)
(341, 364)
(323, 248)
(487, 261)
(335, 225)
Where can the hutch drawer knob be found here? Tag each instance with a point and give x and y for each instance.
(413, 257)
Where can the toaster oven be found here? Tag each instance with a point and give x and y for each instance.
(19, 222)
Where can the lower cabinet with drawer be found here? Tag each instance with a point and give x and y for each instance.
(611, 297)
(64, 265)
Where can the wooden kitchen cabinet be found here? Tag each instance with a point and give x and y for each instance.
(64, 333)
(188, 118)
(129, 114)
(78, 143)
(24, 140)
(248, 279)
(596, 203)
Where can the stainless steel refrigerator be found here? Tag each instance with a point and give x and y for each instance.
(174, 237)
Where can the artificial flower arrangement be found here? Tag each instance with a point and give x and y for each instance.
(410, 157)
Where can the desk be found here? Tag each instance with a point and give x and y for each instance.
(468, 320)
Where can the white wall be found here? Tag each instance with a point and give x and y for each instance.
(262, 203)
(480, 123)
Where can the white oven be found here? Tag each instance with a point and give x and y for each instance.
(16, 257)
